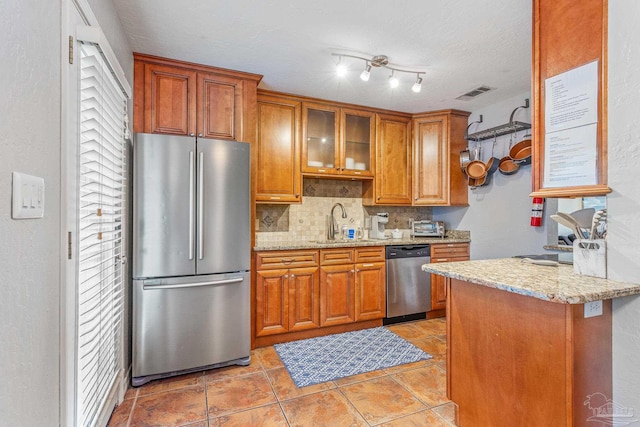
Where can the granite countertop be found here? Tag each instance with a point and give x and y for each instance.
(318, 244)
(556, 284)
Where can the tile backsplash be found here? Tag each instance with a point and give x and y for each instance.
(308, 221)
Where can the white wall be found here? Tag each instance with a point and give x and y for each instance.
(499, 214)
(623, 203)
(29, 251)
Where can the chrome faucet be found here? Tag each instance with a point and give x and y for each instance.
(333, 225)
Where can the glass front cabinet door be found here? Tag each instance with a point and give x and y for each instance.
(337, 142)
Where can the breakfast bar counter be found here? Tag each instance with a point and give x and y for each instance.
(527, 344)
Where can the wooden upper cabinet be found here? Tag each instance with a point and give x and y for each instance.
(567, 35)
(182, 98)
(337, 142)
(219, 103)
(392, 181)
(169, 98)
(278, 150)
(438, 139)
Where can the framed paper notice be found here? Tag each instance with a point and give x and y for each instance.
(571, 123)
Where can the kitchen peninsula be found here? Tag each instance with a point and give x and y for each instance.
(527, 344)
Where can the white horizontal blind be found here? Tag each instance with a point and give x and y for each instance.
(101, 206)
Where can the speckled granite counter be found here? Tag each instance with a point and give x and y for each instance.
(462, 237)
(560, 248)
(556, 284)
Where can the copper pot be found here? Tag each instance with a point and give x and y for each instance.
(476, 169)
(507, 166)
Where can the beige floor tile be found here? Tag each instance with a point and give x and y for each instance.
(448, 411)
(268, 357)
(234, 370)
(121, 414)
(172, 383)
(234, 394)
(325, 409)
(408, 366)
(421, 419)
(407, 331)
(264, 416)
(381, 400)
(431, 345)
(171, 408)
(360, 377)
(429, 384)
(286, 389)
(433, 326)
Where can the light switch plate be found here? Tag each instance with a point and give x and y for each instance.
(592, 309)
(27, 196)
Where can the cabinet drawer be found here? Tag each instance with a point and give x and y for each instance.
(285, 259)
(337, 256)
(370, 254)
(449, 250)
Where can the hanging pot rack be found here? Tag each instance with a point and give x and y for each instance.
(505, 129)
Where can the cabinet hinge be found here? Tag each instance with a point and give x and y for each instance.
(69, 246)
(70, 49)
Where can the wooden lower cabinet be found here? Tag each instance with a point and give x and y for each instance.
(287, 300)
(306, 293)
(337, 289)
(448, 252)
(370, 295)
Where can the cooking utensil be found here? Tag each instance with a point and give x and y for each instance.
(576, 225)
(476, 169)
(507, 166)
(521, 152)
(464, 159)
(598, 217)
(584, 217)
(493, 163)
(569, 223)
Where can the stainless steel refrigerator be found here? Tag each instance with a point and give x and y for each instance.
(191, 255)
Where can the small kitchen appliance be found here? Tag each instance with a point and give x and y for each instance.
(427, 228)
(377, 225)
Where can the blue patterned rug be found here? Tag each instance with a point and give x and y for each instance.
(316, 360)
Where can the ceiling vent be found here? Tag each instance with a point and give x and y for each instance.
(475, 92)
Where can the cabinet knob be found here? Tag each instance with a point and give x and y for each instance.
(192, 134)
(297, 195)
(286, 276)
(352, 271)
(199, 135)
(379, 197)
(415, 198)
(293, 276)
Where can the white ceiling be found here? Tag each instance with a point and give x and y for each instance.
(461, 43)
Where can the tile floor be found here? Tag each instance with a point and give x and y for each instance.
(263, 394)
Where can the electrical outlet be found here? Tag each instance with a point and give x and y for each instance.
(592, 309)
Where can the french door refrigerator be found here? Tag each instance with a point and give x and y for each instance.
(191, 255)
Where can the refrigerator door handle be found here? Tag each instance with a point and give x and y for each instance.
(200, 204)
(193, 285)
(191, 203)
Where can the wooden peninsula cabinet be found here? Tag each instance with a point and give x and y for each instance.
(306, 293)
(446, 252)
(181, 98)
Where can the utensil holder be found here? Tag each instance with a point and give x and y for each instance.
(590, 257)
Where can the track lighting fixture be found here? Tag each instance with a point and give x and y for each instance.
(379, 61)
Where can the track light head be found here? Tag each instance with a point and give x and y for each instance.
(341, 69)
(417, 86)
(366, 73)
(393, 80)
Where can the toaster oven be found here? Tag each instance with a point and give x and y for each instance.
(427, 228)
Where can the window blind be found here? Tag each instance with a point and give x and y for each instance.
(101, 197)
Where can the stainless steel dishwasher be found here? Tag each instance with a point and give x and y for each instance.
(408, 287)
